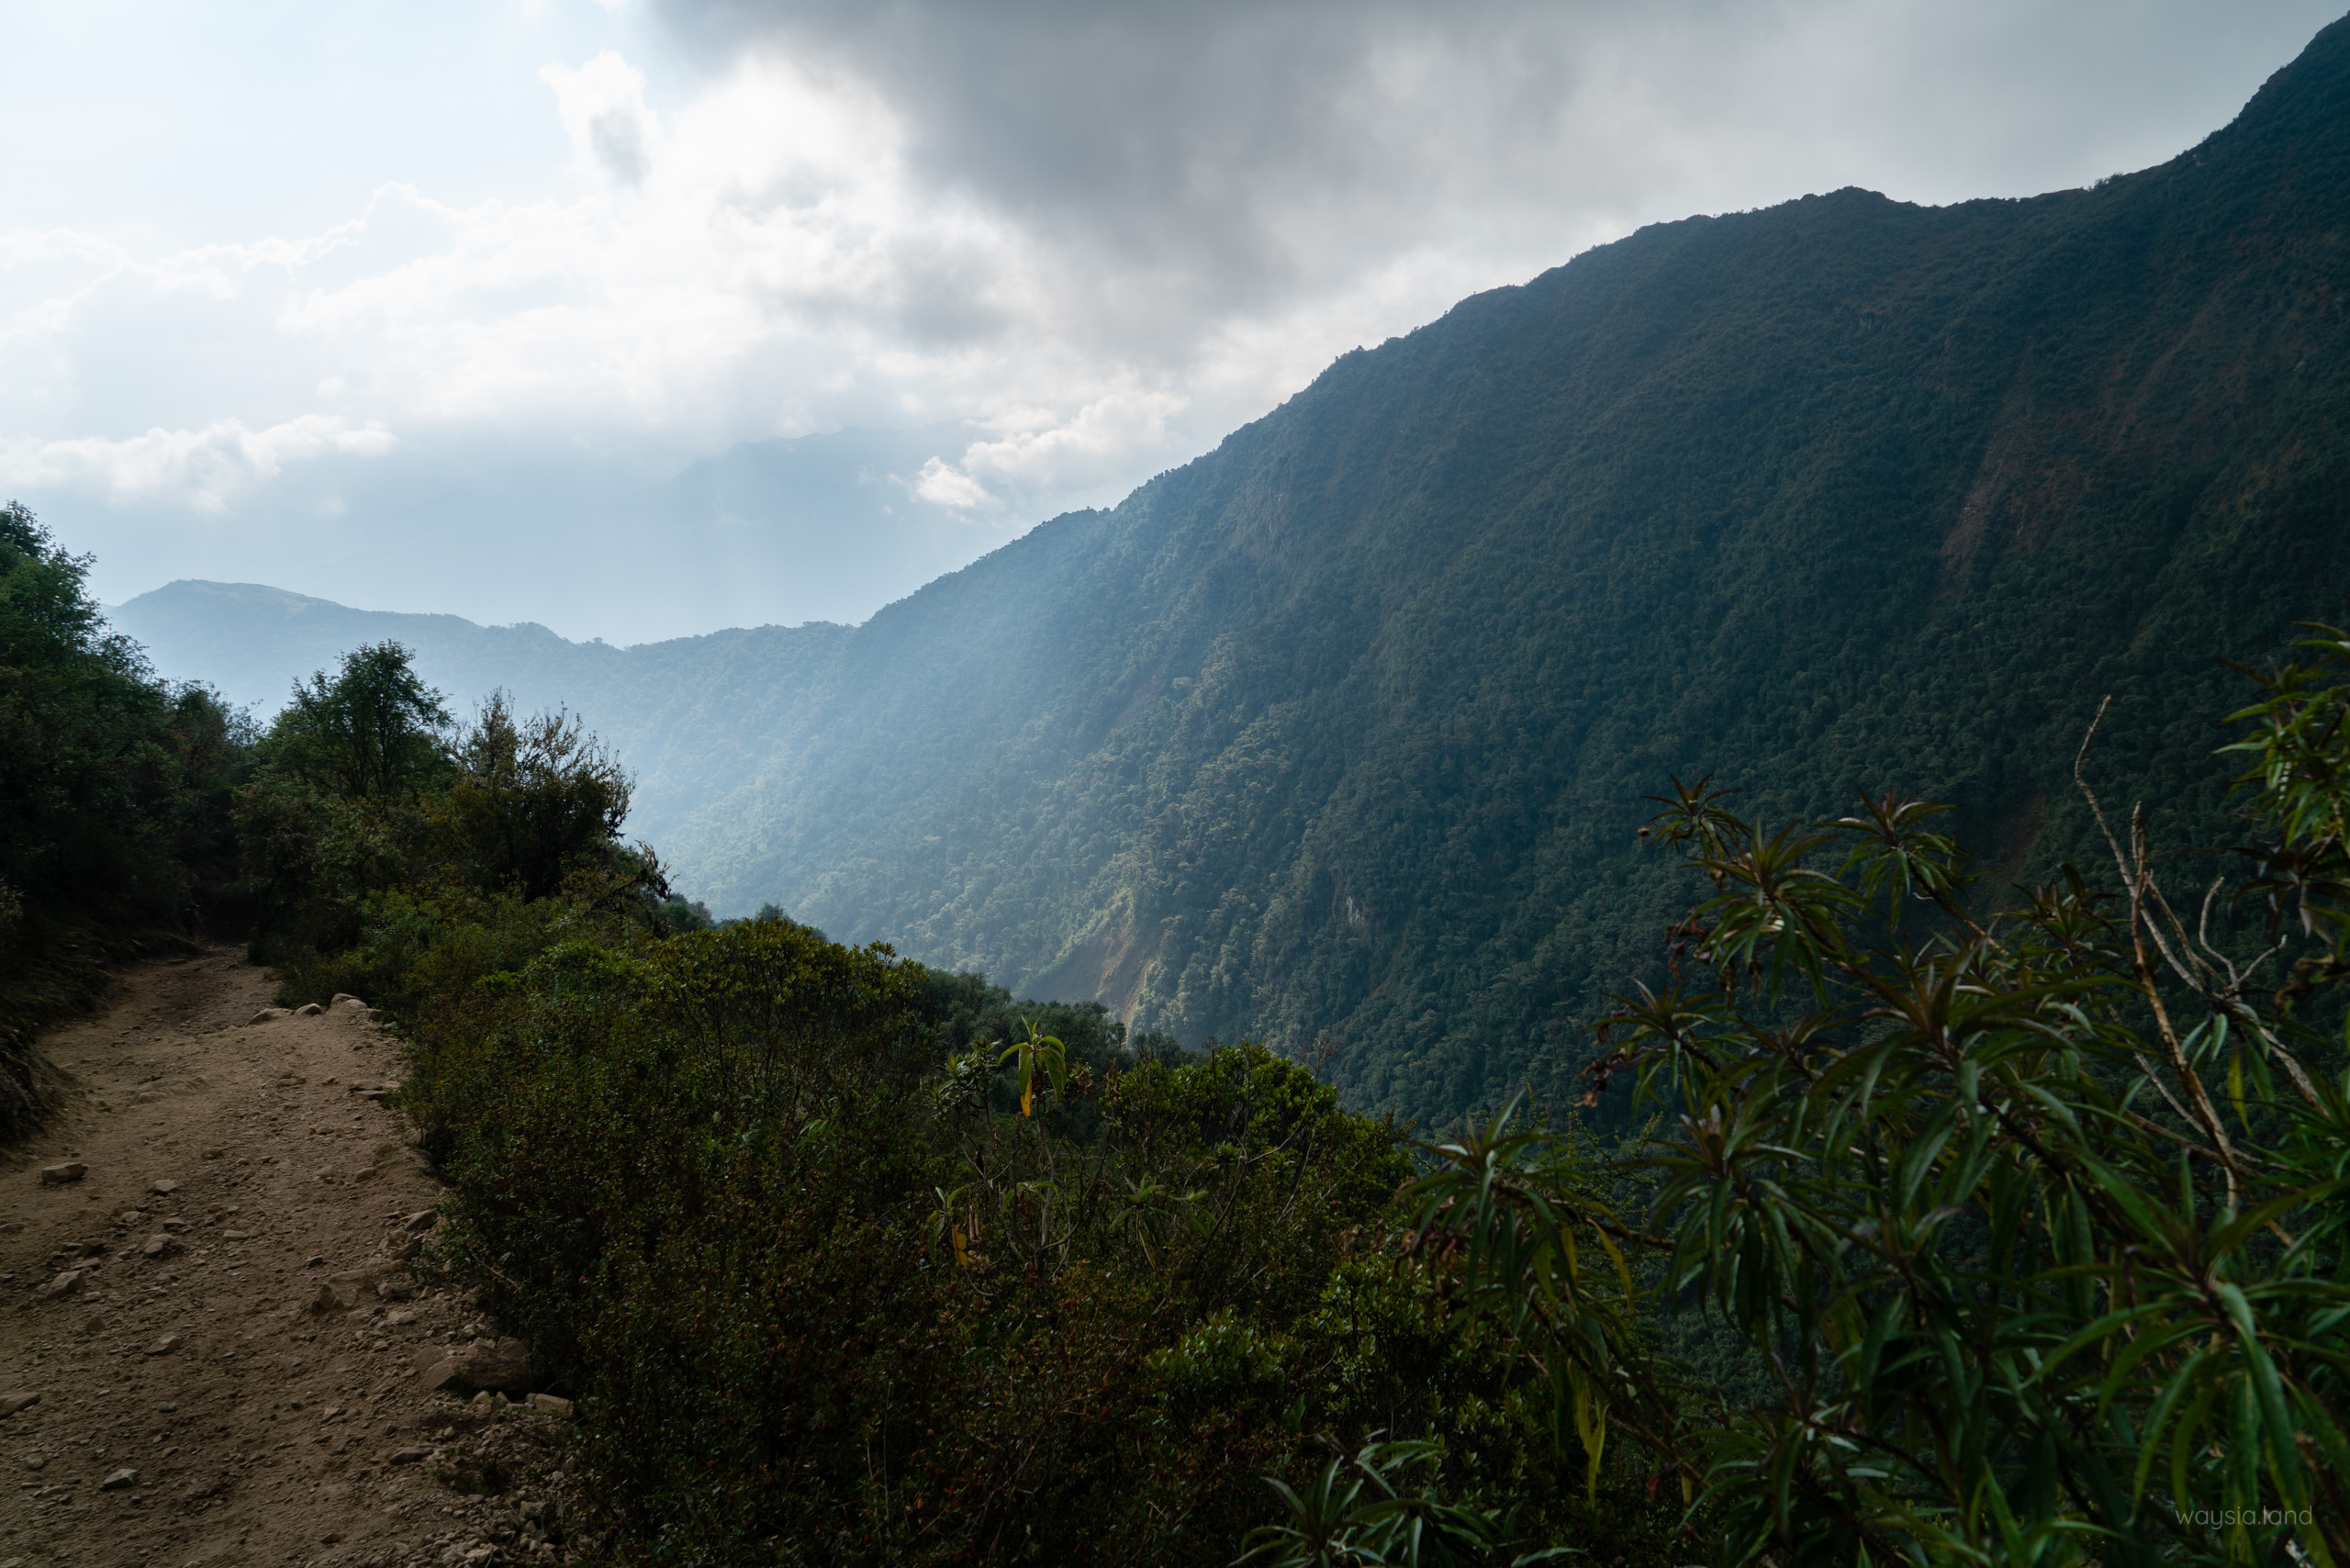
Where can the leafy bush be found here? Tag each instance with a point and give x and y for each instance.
(2036, 1222)
(773, 1208)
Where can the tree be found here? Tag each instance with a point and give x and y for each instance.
(113, 790)
(372, 729)
(2036, 1222)
(531, 796)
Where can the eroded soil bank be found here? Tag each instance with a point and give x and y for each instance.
(217, 1315)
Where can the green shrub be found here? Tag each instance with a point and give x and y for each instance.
(820, 1304)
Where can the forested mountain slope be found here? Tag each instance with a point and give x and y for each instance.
(1347, 726)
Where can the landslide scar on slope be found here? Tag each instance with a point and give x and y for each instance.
(2001, 455)
(1108, 966)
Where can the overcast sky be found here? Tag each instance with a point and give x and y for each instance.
(416, 305)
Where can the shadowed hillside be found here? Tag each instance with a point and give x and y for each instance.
(1347, 725)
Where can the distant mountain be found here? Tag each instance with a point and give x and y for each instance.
(1347, 726)
(678, 712)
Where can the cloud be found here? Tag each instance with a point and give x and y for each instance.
(943, 484)
(1042, 452)
(206, 468)
(602, 107)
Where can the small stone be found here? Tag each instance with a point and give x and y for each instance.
(36, 1461)
(164, 1346)
(314, 1261)
(159, 1246)
(401, 1320)
(165, 1186)
(393, 1289)
(236, 1236)
(58, 1175)
(119, 1481)
(176, 1225)
(213, 1153)
(340, 997)
(65, 1284)
(551, 1403)
(485, 1403)
(267, 1014)
(418, 1222)
(350, 1287)
(407, 1456)
(94, 1324)
(326, 1300)
(310, 1010)
(12, 1403)
(167, 1407)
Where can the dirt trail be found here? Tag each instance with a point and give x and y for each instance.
(232, 1375)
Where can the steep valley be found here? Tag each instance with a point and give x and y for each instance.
(1344, 729)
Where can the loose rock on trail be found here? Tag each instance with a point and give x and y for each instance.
(213, 1350)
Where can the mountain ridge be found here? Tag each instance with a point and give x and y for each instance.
(1343, 728)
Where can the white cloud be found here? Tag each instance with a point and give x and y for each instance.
(206, 468)
(942, 485)
(603, 109)
(1042, 452)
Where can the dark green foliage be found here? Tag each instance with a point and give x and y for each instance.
(771, 1207)
(114, 804)
(365, 795)
(531, 797)
(2039, 1222)
(372, 729)
(678, 914)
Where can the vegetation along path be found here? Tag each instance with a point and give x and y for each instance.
(212, 1348)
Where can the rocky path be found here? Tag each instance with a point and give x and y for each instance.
(211, 1351)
